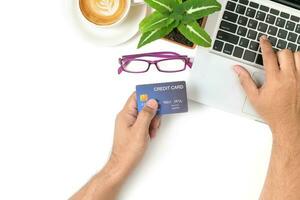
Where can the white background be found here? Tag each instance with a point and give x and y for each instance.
(59, 94)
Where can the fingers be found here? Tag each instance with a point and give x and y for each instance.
(129, 113)
(285, 58)
(247, 83)
(153, 133)
(146, 115)
(286, 61)
(269, 57)
(154, 126)
(297, 61)
(131, 103)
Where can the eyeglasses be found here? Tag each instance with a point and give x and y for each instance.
(168, 62)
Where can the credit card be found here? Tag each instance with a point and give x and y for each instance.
(171, 97)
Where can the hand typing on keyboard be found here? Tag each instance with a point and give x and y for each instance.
(244, 22)
(278, 103)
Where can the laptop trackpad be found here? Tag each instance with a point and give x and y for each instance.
(259, 78)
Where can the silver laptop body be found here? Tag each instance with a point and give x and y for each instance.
(212, 80)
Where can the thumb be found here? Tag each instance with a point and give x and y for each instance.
(247, 82)
(147, 114)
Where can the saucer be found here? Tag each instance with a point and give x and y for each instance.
(111, 36)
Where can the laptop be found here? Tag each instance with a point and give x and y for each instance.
(235, 31)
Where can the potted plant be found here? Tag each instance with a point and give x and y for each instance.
(171, 14)
(177, 38)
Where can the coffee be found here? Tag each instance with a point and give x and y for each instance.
(103, 12)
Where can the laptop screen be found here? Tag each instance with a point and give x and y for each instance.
(291, 3)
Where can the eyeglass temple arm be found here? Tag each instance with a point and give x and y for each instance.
(120, 70)
(165, 53)
(190, 62)
(123, 65)
(156, 56)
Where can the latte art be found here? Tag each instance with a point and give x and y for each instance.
(103, 12)
(108, 7)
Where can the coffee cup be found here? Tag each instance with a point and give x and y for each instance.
(106, 13)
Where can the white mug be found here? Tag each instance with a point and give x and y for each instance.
(129, 4)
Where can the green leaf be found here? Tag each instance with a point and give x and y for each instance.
(156, 34)
(195, 34)
(163, 6)
(155, 21)
(178, 13)
(195, 9)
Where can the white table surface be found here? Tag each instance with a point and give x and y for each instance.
(59, 94)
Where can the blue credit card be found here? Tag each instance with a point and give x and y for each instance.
(171, 97)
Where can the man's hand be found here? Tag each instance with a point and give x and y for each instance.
(133, 132)
(278, 100)
(278, 103)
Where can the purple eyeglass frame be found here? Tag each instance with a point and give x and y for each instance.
(166, 55)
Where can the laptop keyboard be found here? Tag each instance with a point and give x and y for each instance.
(244, 22)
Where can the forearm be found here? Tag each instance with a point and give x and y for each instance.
(105, 185)
(283, 179)
(133, 132)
